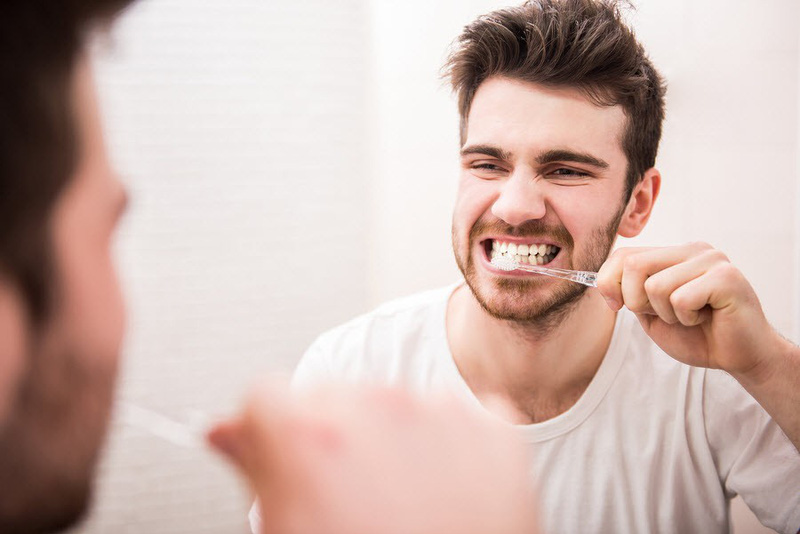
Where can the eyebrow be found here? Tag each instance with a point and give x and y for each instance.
(568, 155)
(487, 150)
(548, 157)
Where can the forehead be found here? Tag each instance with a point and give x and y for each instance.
(522, 117)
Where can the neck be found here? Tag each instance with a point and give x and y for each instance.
(538, 373)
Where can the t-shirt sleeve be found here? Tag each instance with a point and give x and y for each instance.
(313, 369)
(754, 457)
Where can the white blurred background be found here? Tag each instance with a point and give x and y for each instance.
(294, 163)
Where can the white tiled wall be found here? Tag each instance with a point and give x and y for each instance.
(239, 128)
(293, 163)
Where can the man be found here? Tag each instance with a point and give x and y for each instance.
(643, 419)
(62, 321)
(61, 316)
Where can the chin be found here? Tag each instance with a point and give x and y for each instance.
(51, 443)
(44, 498)
(537, 302)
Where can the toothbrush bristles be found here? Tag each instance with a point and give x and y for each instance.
(505, 263)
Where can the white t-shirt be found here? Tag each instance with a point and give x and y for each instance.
(652, 445)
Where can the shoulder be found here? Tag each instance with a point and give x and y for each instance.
(398, 318)
(710, 404)
(372, 344)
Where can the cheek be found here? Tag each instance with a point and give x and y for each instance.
(582, 210)
(475, 197)
(92, 303)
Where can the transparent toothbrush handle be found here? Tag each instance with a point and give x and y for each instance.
(586, 278)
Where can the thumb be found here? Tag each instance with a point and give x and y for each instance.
(254, 440)
(229, 438)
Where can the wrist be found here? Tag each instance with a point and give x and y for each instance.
(771, 358)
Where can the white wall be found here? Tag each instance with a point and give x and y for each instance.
(796, 336)
(728, 153)
(239, 128)
(294, 163)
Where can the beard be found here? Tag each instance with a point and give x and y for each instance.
(526, 302)
(49, 446)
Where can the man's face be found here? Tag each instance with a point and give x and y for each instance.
(542, 180)
(57, 420)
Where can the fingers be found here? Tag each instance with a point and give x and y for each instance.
(715, 289)
(226, 438)
(659, 281)
(610, 276)
(251, 439)
(667, 290)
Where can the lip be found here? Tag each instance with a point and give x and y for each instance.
(487, 262)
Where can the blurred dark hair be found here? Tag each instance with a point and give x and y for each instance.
(567, 43)
(40, 43)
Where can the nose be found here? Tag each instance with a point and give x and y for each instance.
(521, 198)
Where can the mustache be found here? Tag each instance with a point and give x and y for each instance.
(532, 228)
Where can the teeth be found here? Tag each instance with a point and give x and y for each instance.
(524, 249)
(525, 253)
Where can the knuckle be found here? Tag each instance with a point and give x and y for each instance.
(633, 263)
(715, 256)
(639, 305)
(615, 260)
(727, 272)
(679, 300)
(700, 246)
(654, 286)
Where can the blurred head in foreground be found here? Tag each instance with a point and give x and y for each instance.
(61, 310)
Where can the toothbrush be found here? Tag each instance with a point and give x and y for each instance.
(506, 263)
(189, 435)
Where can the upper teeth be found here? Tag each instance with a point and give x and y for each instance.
(532, 249)
(535, 253)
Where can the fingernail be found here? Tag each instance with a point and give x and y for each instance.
(613, 304)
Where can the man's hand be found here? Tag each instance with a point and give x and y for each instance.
(378, 461)
(693, 303)
(702, 311)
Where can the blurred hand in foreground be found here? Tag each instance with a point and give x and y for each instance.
(342, 460)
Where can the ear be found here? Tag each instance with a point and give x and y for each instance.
(640, 205)
(13, 343)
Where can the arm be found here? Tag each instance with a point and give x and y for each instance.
(702, 311)
(776, 386)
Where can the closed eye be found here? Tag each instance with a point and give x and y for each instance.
(564, 172)
(487, 167)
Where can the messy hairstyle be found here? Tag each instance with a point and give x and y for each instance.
(583, 44)
(40, 42)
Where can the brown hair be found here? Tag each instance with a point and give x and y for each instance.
(573, 43)
(40, 41)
